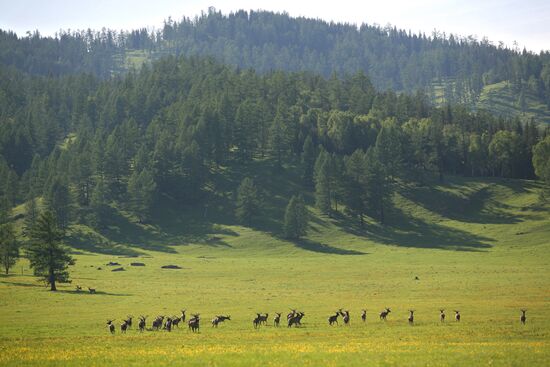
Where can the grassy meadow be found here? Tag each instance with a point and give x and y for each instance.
(478, 246)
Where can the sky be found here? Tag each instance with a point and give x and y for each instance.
(526, 22)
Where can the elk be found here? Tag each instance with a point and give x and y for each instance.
(345, 317)
(141, 324)
(182, 315)
(220, 318)
(111, 326)
(296, 320)
(91, 290)
(523, 318)
(168, 324)
(384, 314)
(411, 317)
(194, 322)
(364, 315)
(78, 289)
(256, 321)
(123, 327)
(176, 321)
(457, 316)
(442, 315)
(291, 314)
(333, 319)
(157, 322)
(276, 319)
(129, 321)
(263, 318)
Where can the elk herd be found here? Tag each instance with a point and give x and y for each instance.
(294, 318)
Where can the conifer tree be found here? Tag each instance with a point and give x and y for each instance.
(248, 201)
(58, 200)
(296, 218)
(9, 247)
(322, 182)
(31, 215)
(308, 162)
(141, 189)
(48, 257)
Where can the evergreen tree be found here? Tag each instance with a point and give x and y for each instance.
(378, 186)
(141, 189)
(296, 218)
(47, 255)
(322, 182)
(308, 161)
(541, 159)
(99, 204)
(31, 215)
(9, 247)
(389, 149)
(248, 201)
(355, 183)
(58, 200)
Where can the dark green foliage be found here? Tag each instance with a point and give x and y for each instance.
(541, 159)
(141, 191)
(9, 247)
(58, 200)
(296, 218)
(322, 182)
(378, 188)
(309, 156)
(48, 257)
(248, 201)
(31, 215)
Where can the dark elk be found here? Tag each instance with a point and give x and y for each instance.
(457, 316)
(219, 319)
(194, 322)
(296, 320)
(257, 321)
(276, 319)
(345, 316)
(442, 315)
(523, 318)
(176, 321)
(129, 321)
(411, 317)
(384, 314)
(333, 318)
(111, 326)
(263, 318)
(182, 315)
(168, 324)
(141, 323)
(123, 327)
(157, 322)
(364, 315)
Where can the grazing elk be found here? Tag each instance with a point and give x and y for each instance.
(411, 317)
(333, 318)
(176, 321)
(276, 319)
(91, 290)
(442, 315)
(194, 322)
(111, 326)
(141, 324)
(523, 318)
(457, 316)
(123, 327)
(364, 315)
(220, 318)
(384, 314)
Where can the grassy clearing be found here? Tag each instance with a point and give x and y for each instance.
(479, 246)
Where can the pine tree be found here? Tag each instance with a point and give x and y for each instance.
(322, 182)
(308, 161)
(31, 215)
(9, 247)
(248, 202)
(296, 218)
(58, 200)
(378, 186)
(99, 204)
(47, 255)
(141, 189)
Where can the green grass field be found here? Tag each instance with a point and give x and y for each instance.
(478, 246)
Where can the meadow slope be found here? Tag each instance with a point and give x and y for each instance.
(478, 246)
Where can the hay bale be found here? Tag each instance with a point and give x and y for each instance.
(119, 269)
(171, 267)
(137, 264)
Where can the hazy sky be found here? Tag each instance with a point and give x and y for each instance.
(524, 21)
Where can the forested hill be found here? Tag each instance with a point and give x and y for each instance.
(183, 129)
(449, 68)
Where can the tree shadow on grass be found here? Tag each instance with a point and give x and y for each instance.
(314, 246)
(97, 293)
